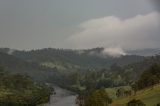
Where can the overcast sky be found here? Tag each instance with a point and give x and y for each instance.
(77, 24)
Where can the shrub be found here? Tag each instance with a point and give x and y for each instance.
(135, 102)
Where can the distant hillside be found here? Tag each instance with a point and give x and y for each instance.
(139, 67)
(64, 59)
(145, 52)
(16, 65)
(130, 73)
(56, 61)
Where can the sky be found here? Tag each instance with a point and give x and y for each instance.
(79, 24)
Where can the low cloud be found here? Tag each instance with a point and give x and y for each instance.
(11, 51)
(141, 31)
(114, 52)
(108, 52)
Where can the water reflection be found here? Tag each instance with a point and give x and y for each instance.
(62, 98)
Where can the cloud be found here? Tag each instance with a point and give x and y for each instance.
(108, 52)
(114, 52)
(141, 31)
(11, 51)
(156, 4)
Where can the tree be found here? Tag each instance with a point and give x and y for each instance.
(21, 90)
(149, 77)
(116, 68)
(134, 87)
(98, 98)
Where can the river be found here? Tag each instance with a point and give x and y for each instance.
(62, 98)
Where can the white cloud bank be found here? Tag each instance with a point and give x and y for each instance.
(141, 31)
(113, 52)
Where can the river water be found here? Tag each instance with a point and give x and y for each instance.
(62, 98)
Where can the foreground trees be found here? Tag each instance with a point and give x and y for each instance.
(149, 77)
(20, 90)
(95, 98)
(135, 102)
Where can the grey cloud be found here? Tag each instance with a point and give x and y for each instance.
(141, 31)
(156, 3)
(31, 24)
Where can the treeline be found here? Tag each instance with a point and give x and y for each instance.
(20, 90)
(92, 58)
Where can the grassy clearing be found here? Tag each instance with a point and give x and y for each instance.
(149, 96)
(54, 65)
(112, 91)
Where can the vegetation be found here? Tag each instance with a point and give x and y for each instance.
(135, 102)
(67, 58)
(147, 89)
(158, 104)
(20, 90)
(97, 79)
(94, 98)
(149, 77)
(148, 96)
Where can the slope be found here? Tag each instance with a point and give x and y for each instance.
(150, 96)
(16, 65)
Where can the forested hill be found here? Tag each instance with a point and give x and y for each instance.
(17, 65)
(64, 59)
(73, 68)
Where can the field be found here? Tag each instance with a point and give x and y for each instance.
(150, 97)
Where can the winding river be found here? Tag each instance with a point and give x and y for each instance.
(61, 98)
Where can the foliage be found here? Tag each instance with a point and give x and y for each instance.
(121, 92)
(150, 96)
(149, 77)
(98, 98)
(20, 90)
(84, 72)
(135, 102)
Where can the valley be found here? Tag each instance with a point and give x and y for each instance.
(82, 77)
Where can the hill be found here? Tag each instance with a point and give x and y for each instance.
(145, 52)
(69, 59)
(134, 70)
(150, 96)
(17, 65)
(62, 67)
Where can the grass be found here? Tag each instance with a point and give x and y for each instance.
(53, 65)
(150, 97)
(112, 91)
(59, 65)
(4, 92)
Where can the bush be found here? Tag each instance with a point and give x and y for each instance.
(135, 102)
(98, 98)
